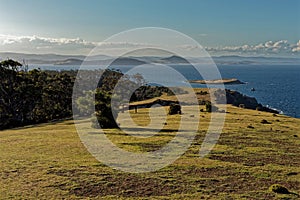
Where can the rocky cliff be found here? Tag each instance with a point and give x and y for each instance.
(237, 99)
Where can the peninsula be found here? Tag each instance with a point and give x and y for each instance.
(218, 81)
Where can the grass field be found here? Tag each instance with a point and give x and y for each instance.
(48, 161)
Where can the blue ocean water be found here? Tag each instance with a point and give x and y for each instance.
(275, 86)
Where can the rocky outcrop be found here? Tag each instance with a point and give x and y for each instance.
(237, 99)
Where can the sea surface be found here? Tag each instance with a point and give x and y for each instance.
(276, 86)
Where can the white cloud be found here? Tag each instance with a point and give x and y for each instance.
(113, 45)
(9, 39)
(296, 47)
(36, 44)
(281, 47)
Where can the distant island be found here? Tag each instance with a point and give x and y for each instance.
(56, 59)
(118, 61)
(218, 81)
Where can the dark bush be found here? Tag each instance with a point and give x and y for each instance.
(250, 126)
(174, 109)
(210, 108)
(265, 122)
(202, 93)
(279, 189)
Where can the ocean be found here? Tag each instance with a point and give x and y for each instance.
(276, 86)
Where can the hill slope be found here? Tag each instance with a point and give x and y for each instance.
(48, 161)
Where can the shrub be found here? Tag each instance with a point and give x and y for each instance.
(202, 93)
(279, 189)
(259, 108)
(210, 108)
(242, 105)
(250, 126)
(265, 122)
(174, 109)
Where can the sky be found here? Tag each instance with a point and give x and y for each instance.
(249, 27)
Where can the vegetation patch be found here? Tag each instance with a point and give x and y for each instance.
(279, 189)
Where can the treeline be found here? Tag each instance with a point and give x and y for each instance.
(36, 96)
(30, 97)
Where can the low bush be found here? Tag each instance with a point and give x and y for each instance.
(265, 122)
(279, 189)
(210, 108)
(174, 109)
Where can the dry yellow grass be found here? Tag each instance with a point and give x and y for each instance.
(48, 161)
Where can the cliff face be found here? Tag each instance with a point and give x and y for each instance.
(237, 99)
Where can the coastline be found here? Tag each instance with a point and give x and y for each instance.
(233, 98)
(232, 81)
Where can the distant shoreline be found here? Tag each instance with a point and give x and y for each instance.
(218, 81)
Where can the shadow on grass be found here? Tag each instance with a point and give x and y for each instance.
(44, 124)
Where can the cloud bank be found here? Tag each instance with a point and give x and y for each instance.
(35, 44)
(40, 45)
(281, 47)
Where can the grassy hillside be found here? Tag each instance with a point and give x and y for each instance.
(48, 161)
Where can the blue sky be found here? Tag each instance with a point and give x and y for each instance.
(213, 23)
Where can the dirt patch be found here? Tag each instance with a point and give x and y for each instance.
(146, 147)
(119, 184)
(166, 182)
(258, 161)
(127, 186)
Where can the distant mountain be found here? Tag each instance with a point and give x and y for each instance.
(240, 60)
(148, 59)
(37, 57)
(55, 59)
(71, 61)
(127, 61)
(119, 61)
(173, 60)
(48, 58)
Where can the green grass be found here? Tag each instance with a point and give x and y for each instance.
(48, 161)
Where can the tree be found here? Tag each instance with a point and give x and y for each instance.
(104, 117)
(10, 92)
(33, 97)
(114, 90)
(85, 103)
(11, 64)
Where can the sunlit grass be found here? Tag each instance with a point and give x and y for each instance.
(48, 161)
